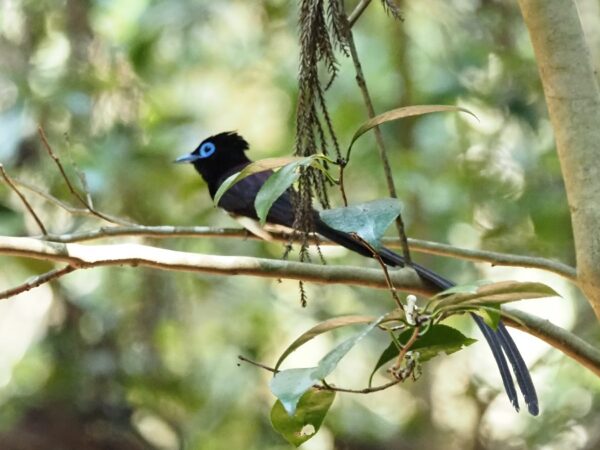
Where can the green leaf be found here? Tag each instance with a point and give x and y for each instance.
(439, 338)
(491, 315)
(321, 328)
(501, 292)
(277, 184)
(306, 421)
(368, 220)
(255, 167)
(400, 113)
(289, 385)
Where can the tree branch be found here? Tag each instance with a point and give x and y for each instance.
(36, 281)
(86, 256)
(573, 99)
(563, 340)
(357, 12)
(494, 258)
(79, 256)
(434, 248)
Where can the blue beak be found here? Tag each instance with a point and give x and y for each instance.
(187, 159)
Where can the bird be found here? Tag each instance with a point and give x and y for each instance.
(218, 157)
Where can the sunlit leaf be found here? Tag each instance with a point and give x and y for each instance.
(368, 220)
(501, 292)
(254, 167)
(289, 385)
(439, 338)
(277, 184)
(491, 315)
(306, 421)
(400, 113)
(321, 328)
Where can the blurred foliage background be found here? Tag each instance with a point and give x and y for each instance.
(127, 358)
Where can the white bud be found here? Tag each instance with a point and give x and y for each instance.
(411, 307)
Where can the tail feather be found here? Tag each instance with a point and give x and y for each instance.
(495, 345)
(519, 368)
(499, 341)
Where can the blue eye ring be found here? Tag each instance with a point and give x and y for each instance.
(207, 149)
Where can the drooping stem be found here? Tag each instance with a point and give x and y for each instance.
(362, 85)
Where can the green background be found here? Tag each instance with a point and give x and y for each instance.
(139, 358)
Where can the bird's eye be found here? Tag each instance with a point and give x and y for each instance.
(207, 149)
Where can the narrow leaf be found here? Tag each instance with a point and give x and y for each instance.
(501, 292)
(491, 315)
(277, 184)
(400, 113)
(281, 180)
(321, 328)
(308, 418)
(289, 385)
(368, 220)
(254, 167)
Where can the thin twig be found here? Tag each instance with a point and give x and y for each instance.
(72, 189)
(358, 391)
(165, 232)
(362, 85)
(70, 209)
(325, 386)
(395, 370)
(23, 200)
(37, 281)
(357, 12)
(494, 258)
(384, 267)
(257, 364)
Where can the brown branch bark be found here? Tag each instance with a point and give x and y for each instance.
(36, 281)
(574, 347)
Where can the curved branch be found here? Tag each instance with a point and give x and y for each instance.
(572, 346)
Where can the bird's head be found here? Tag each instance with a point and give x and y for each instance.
(218, 155)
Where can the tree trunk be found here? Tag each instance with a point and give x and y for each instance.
(573, 99)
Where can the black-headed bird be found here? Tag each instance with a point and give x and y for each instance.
(224, 154)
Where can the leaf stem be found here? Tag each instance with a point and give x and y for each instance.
(362, 85)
